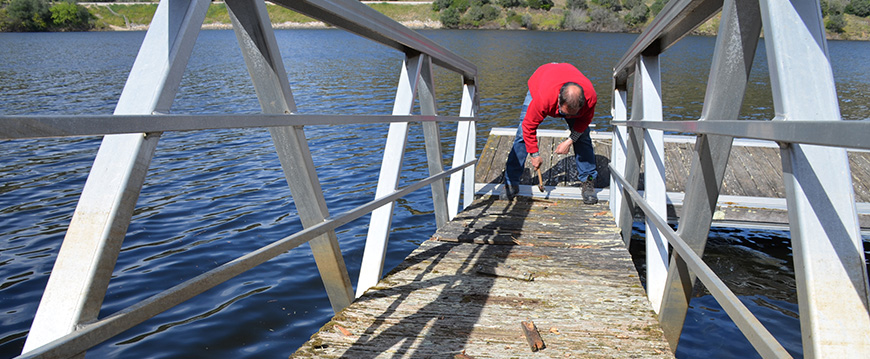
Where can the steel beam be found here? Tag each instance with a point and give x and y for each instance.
(45, 126)
(649, 105)
(463, 151)
(675, 21)
(468, 108)
(748, 324)
(432, 138)
(91, 334)
(84, 265)
(379, 228)
(618, 148)
(263, 58)
(732, 61)
(631, 172)
(633, 142)
(845, 134)
(830, 271)
(362, 20)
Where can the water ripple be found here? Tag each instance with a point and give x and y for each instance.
(211, 196)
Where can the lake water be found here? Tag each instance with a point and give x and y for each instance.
(211, 196)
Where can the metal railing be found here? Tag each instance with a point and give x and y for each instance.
(67, 324)
(830, 271)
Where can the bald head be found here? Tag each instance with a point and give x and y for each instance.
(571, 98)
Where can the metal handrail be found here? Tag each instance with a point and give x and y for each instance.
(95, 333)
(748, 324)
(47, 126)
(846, 134)
(675, 21)
(155, 76)
(816, 174)
(362, 20)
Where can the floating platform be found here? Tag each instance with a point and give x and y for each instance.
(558, 264)
(752, 193)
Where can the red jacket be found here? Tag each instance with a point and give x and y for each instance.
(544, 87)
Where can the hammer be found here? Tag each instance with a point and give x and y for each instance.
(540, 180)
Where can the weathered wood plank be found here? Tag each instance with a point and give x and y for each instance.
(447, 299)
(547, 152)
(766, 176)
(752, 171)
(769, 157)
(504, 147)
(744, 178)
(678, 158)
(485, 162)
(860, 165)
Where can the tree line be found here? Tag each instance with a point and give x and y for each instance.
(833, 10)
(591, 15)
(595, 15)
(41, 15)
(582, 15)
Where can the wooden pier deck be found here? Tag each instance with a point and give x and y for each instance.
(752, 193)
(557, 263)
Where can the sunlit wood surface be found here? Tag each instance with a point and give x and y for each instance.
(557, 263)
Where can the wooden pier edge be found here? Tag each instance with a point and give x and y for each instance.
(752, 195)
(466, 292)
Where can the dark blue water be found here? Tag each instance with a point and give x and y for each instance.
(211, 196)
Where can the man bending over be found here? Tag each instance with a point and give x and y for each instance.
(556, 90)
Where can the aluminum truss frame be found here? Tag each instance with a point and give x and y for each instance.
(829, 260)
(66, 322)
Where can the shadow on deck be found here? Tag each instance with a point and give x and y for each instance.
(558, 263)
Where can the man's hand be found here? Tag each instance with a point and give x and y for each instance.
(563, 147)
(536, 162)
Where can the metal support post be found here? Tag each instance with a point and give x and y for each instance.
(631, 167)
(262, 56)
(736, 42)
(631, 173)
(463, 152)
(469, 92)
(829, 262)
(84, 265)
(618, 146)
(379, 228)
(428, 106)
(649, 105)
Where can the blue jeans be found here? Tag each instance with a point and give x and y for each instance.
(584, 153)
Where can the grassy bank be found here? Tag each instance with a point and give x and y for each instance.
(598, 15)
(138, 16)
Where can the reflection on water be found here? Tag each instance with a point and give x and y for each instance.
(211, 196)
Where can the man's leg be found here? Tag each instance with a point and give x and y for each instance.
(517, 157)
(584, 157)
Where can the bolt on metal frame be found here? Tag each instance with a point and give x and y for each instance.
(830, 271)
(66, 322)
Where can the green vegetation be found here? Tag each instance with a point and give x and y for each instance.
(860, 8)
(846, 18)
(281, 15)
(40, 15)
(217, 14)
(400, 12)
(843, 19)
(583, 15)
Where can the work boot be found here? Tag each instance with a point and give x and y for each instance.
(509, 192)
(588, 192)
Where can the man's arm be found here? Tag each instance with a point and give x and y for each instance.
(536, 160)
(563, 147)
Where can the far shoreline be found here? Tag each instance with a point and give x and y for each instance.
(415, 25)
